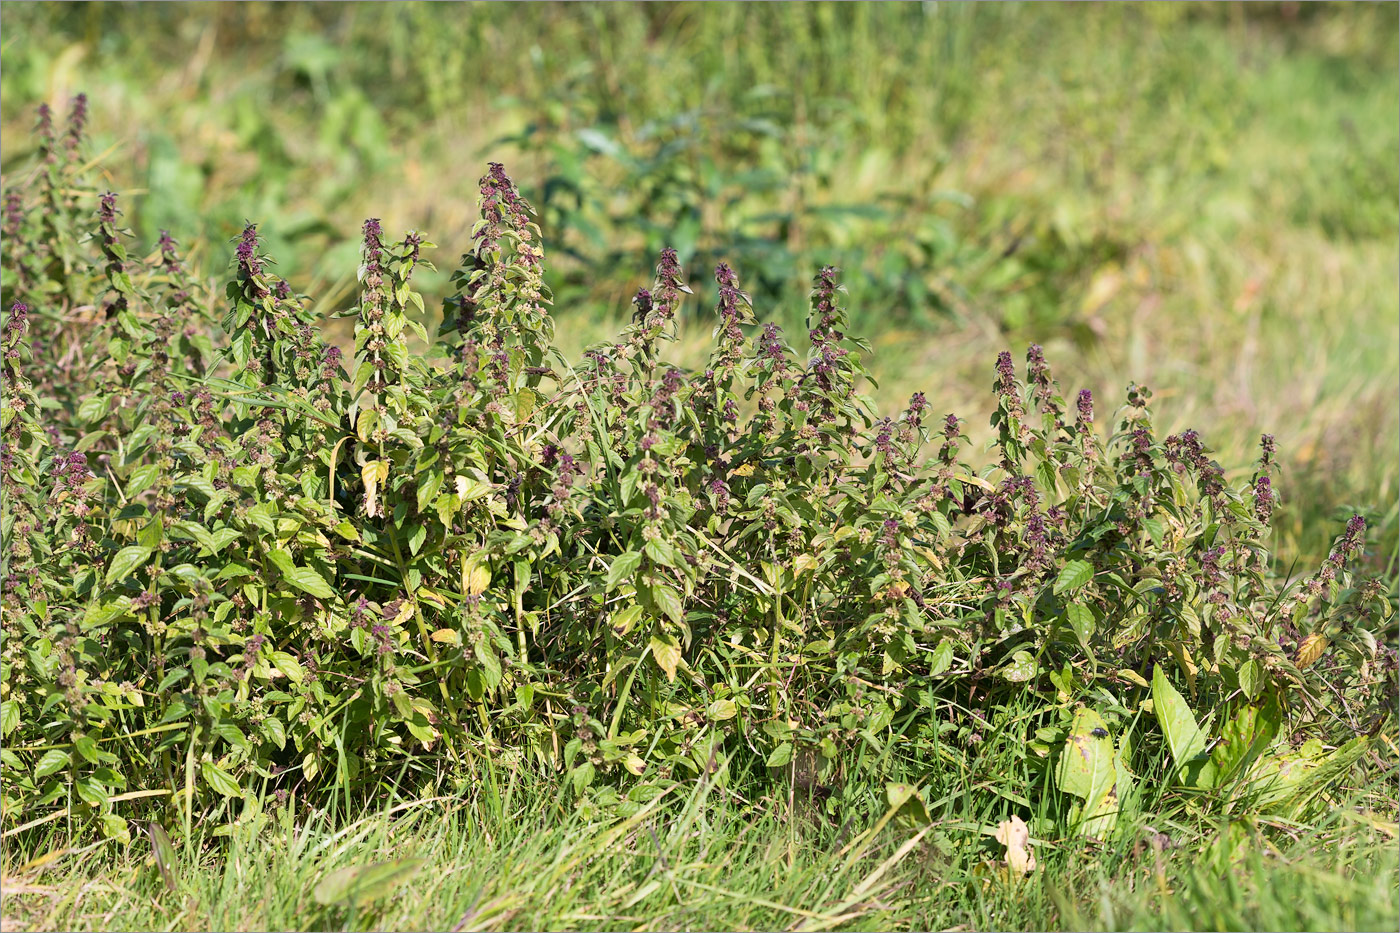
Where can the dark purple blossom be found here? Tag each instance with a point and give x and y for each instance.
(1263, 499)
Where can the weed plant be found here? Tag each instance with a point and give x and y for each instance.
(242, 570)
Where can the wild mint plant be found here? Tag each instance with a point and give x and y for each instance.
(244, 564)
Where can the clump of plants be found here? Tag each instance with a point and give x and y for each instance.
(242, 565)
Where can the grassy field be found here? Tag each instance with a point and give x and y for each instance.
(698, 858)
(1201, 198)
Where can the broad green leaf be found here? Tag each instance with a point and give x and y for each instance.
(720, 710)
(309, 581)
(260, 516)
(1184, 738)
(1251, 678)
(1243, 738)
(907, 802)
(1020, 668)
(623, 566)
(490, 664)
(582, 776)
(780, 755)
(9, 716)
(220, 780)
(1089, 767)
(52, 761)
(1081, 620)
(93, 408)
(86, 746)
(127, 560)
(942, 657)
(429, 484)
(623, 620)
(1076, 574)
(416, 537)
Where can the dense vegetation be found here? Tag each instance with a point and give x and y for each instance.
(329, 573)
(1201, 197)
(240, 567)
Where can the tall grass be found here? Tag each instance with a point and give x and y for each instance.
(697, 858)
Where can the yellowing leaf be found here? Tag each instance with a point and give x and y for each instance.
(1016, 836)
(364, 424)
(1089, 767)
(1133, 676)
(667, 652)
(469, 489)
(635, 764)
(721, 710)
(478, 579)
(1311, 649)
(623, 621)
(372, 474)
(447, 636)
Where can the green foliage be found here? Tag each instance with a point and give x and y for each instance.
(235, 568)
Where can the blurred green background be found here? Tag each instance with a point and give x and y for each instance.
(1203, 198)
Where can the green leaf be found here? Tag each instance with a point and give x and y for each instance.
(91, 792)
(1020, 668)
(582, 776)
(164, 854)
(1184, 737)
(289, 666)
(275, 732)
(907, 802)
(1081, 619)
(1155, 530)
(93, 408)
(309, 581)
(669, 602)
(360, 885)
(490, 664)
(623, 620)
(282, 559)
(260, 516)
(9, 716)
(429, 484)
(141, 479)
(720, 710)
(1076, 574)
(1251, 678)
(86, 746)
(52, 761)
(220, 780)
(622, 569)
(780, 755)
(1243, 738)
(942, 657)
(126, 560)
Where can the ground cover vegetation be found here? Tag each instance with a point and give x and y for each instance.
(246, 572)
(326, 586)
(1199, 197)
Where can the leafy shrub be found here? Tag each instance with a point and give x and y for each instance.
(240, 565)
